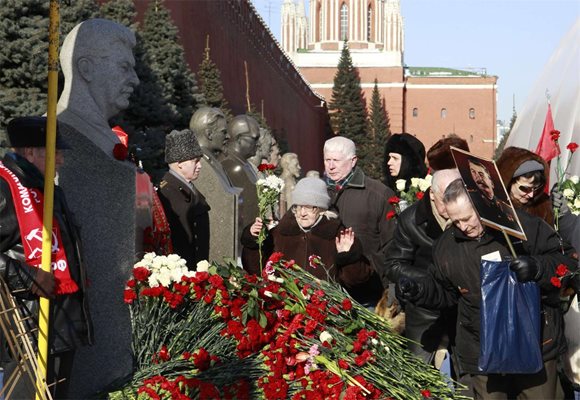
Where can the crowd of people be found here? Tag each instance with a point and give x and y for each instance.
(339, 227)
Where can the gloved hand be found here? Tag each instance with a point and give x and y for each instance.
(526, 269)
(410, 289)
(43, 284)
(559, 201)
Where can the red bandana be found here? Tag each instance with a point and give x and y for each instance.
(28, 204)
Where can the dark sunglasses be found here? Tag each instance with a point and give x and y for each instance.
(530, 189)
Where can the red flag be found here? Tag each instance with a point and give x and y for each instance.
(547, 147)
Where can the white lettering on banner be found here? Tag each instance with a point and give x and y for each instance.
(24, 192)
(35, 196)
(60, 265)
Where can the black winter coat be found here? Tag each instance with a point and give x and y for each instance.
(457, 281)
(412, 248)
(70, 324)
(188, 215)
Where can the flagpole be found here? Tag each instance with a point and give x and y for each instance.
(43, 314)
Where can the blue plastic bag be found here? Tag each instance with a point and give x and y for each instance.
(510, 322)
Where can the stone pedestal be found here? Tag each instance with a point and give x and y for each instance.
(224, 215)
(101, 193)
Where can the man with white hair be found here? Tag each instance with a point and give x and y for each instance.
(410, 253)
(363, 204)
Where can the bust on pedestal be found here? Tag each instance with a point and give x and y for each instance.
(264, 148)
(290, 172)
(210, 128)
(98, 66)
(244, 133)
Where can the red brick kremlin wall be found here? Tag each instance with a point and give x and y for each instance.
(238, 34)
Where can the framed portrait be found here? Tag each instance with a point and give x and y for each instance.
(487, 192)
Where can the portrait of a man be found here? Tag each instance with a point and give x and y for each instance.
(487, 192)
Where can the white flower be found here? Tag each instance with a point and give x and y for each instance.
(202, 266)
(414, 182)
(577, 202)
(374, 341)
(400, 183)
(275, 279)
(424, 184)
(429, 179)
(325, 337)
(574, 179)
(267, 293)
(568, 193)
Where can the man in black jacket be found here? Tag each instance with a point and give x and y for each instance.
(410, 252)
(186, 209)
(21, 205)
(455, 280)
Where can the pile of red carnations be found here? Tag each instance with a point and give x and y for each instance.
(219, 333)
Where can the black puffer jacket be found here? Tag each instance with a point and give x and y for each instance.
(70, 325)
(412, 248)
(457, 281)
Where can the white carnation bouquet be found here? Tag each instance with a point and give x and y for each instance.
(164, 270)
(268, 189)
(571, 191)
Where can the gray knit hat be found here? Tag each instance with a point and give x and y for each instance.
(181, 146)
(311, 191)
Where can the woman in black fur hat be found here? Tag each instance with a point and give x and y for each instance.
(404, 159)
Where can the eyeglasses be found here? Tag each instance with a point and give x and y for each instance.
(530, 189)
(310, 209)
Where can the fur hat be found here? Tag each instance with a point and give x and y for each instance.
(413, 158)
(439, 155)
(181, 146)
(30, 132)
(407, 145)
(311, 192)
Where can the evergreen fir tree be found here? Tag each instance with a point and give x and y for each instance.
(165, 66)
(121, 11)
(210, 82)
(379, 131)
(24, 56)
(348, 116)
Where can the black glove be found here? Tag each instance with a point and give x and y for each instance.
(526, 269)
(410, 290)
(409, 287)
(559, 201)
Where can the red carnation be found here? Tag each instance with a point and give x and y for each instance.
(391, 214)
(394, 200)
(266, 167)
(120, 152)
(572, 147)
(164, 354)
(141, 273)
(129, 296)
(346, 305)
(556, 281)
(276, 257)
(343, 364)
(555, 134)
(425, 393)
(419, 195)
(561, 270)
